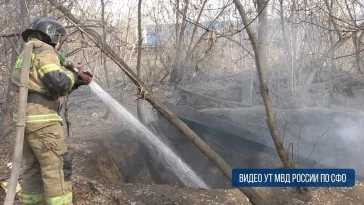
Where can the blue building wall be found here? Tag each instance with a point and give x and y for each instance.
(158, 35)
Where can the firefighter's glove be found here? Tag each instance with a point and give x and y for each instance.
(84, 77)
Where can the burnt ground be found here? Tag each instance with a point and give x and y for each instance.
(112, 167)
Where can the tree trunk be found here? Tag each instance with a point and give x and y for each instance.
(178, 67)
(177, 22)
(183, 27)
(262, 40)
(288, 57)
(359, 60)
(104, 64)
(140, 41)
(260, 62)
(195, 28)
(359, 56)
(263, 32)
(329, 6)
(127, 42)
(103, 56)
(253, 196)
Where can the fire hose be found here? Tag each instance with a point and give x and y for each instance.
(20, 124)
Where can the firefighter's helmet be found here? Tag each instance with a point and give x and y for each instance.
(53, 30)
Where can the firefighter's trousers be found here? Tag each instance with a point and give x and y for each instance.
(48, 165)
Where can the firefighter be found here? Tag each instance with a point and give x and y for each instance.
(48, 165)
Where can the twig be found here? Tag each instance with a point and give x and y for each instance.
(290, 146)
(14, 46)
(278, 96)
(298, 148)
(6, 35)
(292, 157)
(284, 131)
(316, 162)
(315, 143)
(5, 135)
(7, 140)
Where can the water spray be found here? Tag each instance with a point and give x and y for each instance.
(166, 155)
(184, 173)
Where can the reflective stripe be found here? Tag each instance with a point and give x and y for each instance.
(72, 77)
(48, 68)
(31, 198)
(54, 67)
(60, 200)
(40, 118)
(19, 61)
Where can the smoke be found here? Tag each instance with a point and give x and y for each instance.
(350, 141)
(333, 139)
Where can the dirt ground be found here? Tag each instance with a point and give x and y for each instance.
(97, 180)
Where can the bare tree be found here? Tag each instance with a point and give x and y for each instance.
(139, 59)
(103, 56)
(260, 61)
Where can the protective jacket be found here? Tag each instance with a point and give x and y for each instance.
(48, 80)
